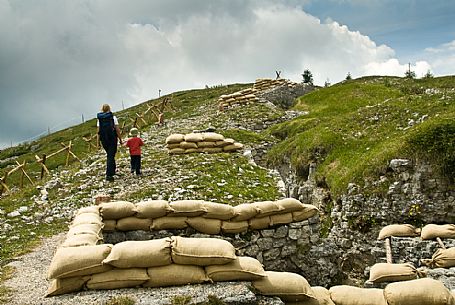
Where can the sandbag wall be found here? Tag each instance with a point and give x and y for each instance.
(244, 96)
(200, 142)
(263, 84)
(413, 250)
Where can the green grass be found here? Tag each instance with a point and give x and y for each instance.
(353, 129)
(120, 300)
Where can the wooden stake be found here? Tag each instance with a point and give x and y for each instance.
(68, 153)
(441, 244)
(388, 250)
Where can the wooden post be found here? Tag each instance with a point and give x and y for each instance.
(68, 153)
(43, 168)
(441, 244)
(24, 173)
(388, 250)
(3, 184)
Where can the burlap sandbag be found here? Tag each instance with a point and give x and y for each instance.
(267, 208)
(193, 150)
(109, 225)
(307, 211)
(205, 225)
(201, 251)
(86, 218)
(174, 275)
(176, 151)
(169, 223)
(280, 219)
(218, 210)
(153, 209)
(140, 254)
(76, 261)
(190, 208)
(322, 297)
(442, 258)
(117, 209)
(95, 209)
(66, 285)
(186, 145)
(432, 231)
(81, 240)
(424, 291)
(133, 223)
(212, 150)
(118, 278)
(86, 228)
(205, 144)
(259, 223)
(172, 146)
(233, 147)
(290, 287)
(349, 295)
(234, 227)
(289, 205)
(401, 230)
(242, 269)
(212, 136)
(175, 138)
(384, 272)
(193, 137)
(221, 143)
(245, 211)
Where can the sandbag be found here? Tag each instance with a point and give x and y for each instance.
(289, 205)
(401, 230)
(431, 231)
(424, 291)
(81, 240)
(86, 228)
(280, 219)
(193, 150)
(133, 223)
(242, 269)
(117, 209)
(349, 295)
(259, 223)
(175, 138)
(190, 208)
(69, 262)
(232, 147)
(307, 211)
(169, 223)
(442, 258)
(172, 146)
(218, 210)
(152, 209)
(95, 209)
(245, 211)
(384, 272)
(212, 136)
(322, 297)
(267, 208)
(193, 137)
(87, 218)
(205, 144)
(205, 225)
(174, 275)
(118, 278)
(176, 151)
(290, 287)
(201, 251)
(109, 225)
(187, 145)
(66, 285)
(220, 143)
(140, 254)
(234, 227)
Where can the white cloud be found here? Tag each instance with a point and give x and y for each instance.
(442, 58)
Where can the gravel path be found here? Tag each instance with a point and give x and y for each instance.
(29, 285)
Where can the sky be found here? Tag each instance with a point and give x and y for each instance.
(61, 60)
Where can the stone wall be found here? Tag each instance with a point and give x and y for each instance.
(284, 96)
(414, 193)
(278, 248)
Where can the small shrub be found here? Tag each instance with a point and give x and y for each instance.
(121, 300)
(181, 300)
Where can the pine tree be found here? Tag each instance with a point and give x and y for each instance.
(348, 76)
(428, 74)
(409, 73)
(307, 77)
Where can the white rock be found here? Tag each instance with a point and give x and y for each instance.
(13, 214)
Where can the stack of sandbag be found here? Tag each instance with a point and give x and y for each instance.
(432, 231)
(152, 263)
(85, 229)
(237, 98)
(263, 84)
(203, 216)
(398, 230)
(200, 142)
(442, 258)
(386, 272)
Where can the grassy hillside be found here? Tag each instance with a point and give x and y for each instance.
(354, 128)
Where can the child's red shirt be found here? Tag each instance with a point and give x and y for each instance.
(134, 144)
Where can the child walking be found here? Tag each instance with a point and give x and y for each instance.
(134, 144)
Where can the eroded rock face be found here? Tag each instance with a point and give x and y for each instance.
(349, 227)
